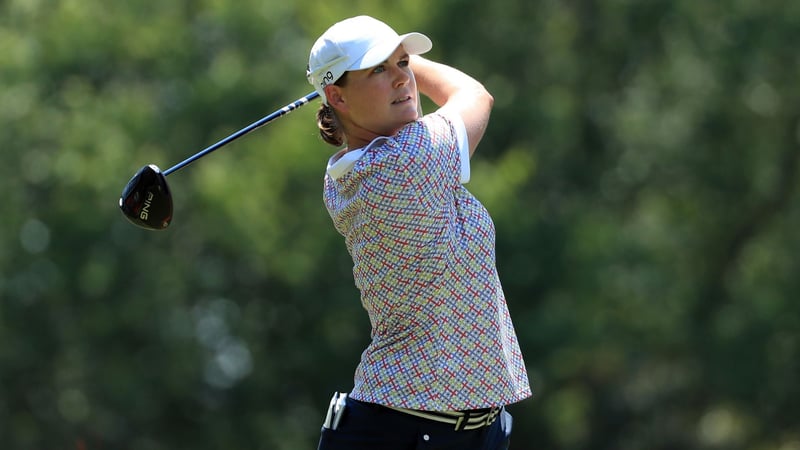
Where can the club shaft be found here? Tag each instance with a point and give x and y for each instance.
(279, 113)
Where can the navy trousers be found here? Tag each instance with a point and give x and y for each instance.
(367, 426)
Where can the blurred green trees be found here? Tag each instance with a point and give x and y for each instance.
(641, 167)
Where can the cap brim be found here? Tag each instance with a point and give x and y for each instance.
(413, 43)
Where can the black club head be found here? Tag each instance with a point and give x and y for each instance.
(146, 200)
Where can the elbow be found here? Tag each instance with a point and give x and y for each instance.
(486, 97)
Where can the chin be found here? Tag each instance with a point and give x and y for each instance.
(412, 113)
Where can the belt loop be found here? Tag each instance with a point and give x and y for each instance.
(463, 421)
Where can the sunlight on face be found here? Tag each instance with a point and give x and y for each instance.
(382, 99)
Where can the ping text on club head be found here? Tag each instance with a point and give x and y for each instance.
(145, 212)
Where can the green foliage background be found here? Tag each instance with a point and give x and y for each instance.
(641, 166)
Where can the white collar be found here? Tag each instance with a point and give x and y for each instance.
(341, 163)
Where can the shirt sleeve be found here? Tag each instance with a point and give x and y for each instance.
(462, 142)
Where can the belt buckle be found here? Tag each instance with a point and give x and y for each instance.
(463, 421)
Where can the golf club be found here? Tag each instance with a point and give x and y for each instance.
(146, 200)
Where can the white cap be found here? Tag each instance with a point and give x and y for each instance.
(354, 44)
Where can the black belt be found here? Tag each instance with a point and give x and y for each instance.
(462, 420)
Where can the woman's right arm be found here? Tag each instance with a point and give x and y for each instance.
(451, 88)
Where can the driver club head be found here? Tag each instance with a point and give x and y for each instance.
(146, 200)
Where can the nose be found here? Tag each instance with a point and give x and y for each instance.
(401, 76)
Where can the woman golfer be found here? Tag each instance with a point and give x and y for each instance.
(444, 358)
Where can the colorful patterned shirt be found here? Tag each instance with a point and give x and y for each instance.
(424, 262)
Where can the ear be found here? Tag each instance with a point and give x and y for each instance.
(335, 97)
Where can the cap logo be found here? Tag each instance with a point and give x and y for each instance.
(326, 79)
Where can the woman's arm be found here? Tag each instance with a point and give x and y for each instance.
(451, 88)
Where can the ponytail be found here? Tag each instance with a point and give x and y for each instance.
(329, 128)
